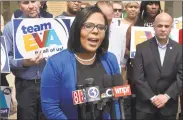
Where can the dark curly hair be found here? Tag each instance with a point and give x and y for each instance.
(143, 11)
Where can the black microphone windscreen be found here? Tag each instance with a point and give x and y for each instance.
(78, 87)
(117, 80)
(102, 90)
(89, 81)
(107, 82)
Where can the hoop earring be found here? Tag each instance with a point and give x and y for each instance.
(142, 14)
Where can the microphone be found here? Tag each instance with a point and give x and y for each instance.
(92, 95)
(106, 92)
(119, 91)
(82, 98)
(79, 97)
(92, 92)
(107, 82)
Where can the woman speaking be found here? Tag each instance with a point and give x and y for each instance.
(85, 57)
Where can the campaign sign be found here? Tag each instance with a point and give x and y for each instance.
(5, 68)
(70, 18)
(5, 100)
(141, 34)
(48, 35)
(180, 36)
(177, 23)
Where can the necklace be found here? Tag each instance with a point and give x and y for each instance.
(148, 24)
(85, 60)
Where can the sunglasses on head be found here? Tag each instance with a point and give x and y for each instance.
(119, 10)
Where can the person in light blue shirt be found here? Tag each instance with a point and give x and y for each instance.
(85, 57)
(43, 11)
(28, 71)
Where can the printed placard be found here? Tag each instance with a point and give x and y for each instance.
(66, 17)
(141, 34)
(5, 67)
(177, 24)
(32, 35)
(5, 100)
(180, 36)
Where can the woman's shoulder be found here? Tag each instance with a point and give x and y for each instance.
(64, 54)
(109, 56)
(111, 60)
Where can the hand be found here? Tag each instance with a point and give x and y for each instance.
(124, 75)
(127, 52)
(34, 61)
(125, 80)
(160, 100)
(46, 58)
(13, 107)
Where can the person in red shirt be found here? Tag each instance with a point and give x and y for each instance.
(180, 36)
(181, 96)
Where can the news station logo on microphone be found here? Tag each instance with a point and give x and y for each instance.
(92, 94)
(107, 93)
(79, 96)
(121, 91)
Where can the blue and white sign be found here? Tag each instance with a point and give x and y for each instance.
(5, 68)
(30, 36)
(5, 100)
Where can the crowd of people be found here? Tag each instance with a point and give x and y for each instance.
(99, 44)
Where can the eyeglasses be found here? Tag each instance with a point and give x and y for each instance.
(119, 10)
(90, 26)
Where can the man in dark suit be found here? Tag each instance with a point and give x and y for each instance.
(158, 73)
(181, 97)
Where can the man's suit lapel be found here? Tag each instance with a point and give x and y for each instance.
(155, 52)
(169, 53)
